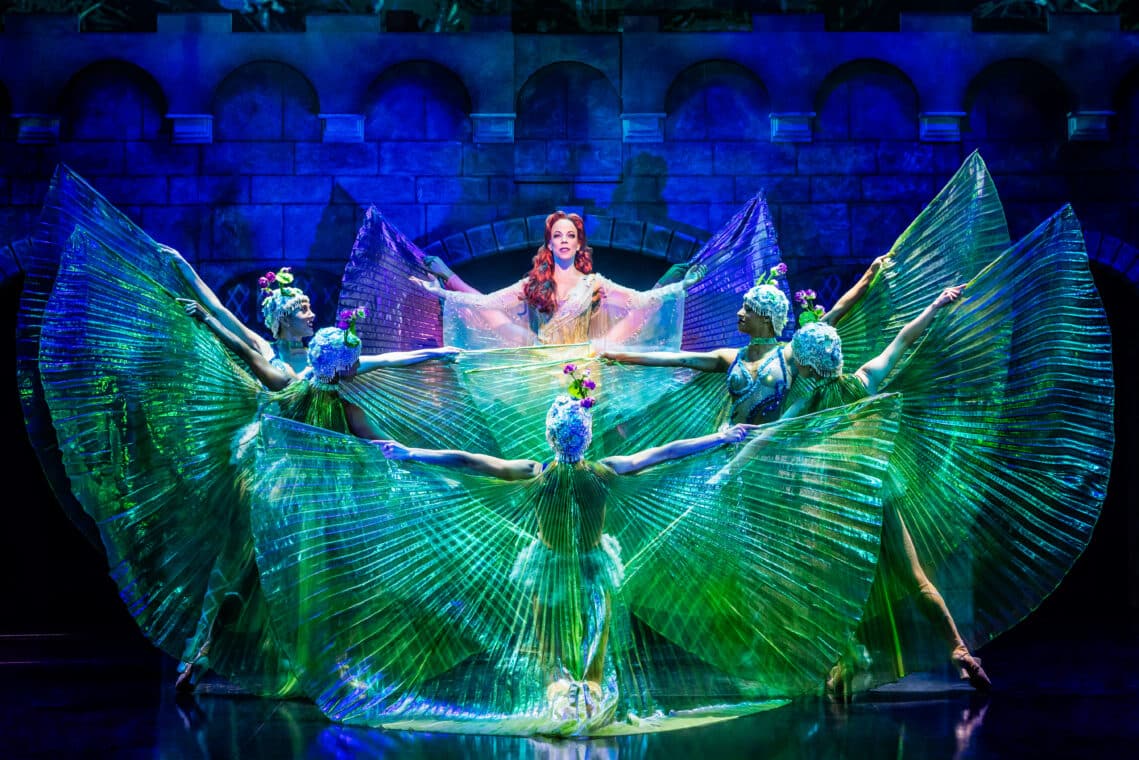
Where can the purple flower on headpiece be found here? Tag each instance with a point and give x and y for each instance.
(589, 384)
(263, 282)
(780, 268)
(569, 369)
(811, 295)
(801, 297)
(587, 402)
(271, 276)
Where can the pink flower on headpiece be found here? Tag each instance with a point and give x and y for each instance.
(587, 402)
(781, 268)
(271, 276)
(263, 282)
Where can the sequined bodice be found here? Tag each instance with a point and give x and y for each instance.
(756, 398)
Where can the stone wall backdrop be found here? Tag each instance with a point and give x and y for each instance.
(250, 151)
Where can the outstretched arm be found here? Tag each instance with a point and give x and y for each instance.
(852, 296)
(209, 299)
(451, 281)
(504, 298)
(676, 450)
(482, 464)
(407, 358)
(875, 371)
(270, 376)
(709, 361)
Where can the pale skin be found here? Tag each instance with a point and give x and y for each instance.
(564, 244)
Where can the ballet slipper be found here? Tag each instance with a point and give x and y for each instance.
(970, 669)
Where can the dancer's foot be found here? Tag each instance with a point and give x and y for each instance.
(187, 678)
(970, 669)
(838, 682)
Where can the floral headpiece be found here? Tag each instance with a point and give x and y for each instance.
(279, 298)
(768, 300)
(818, 346)
(569, 428)
(346, 320)
(331, 352)
(805, 299)
(580, 385)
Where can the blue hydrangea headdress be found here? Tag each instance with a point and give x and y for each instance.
(818, 346)
(279, 298)
(569, 421)
(768, 300)
(335, 350)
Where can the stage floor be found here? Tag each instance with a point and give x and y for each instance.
(69, 696)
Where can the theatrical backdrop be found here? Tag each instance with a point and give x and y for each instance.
(248, 149)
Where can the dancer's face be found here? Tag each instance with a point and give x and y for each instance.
(298, 324)
(564, 242)
(754, 324)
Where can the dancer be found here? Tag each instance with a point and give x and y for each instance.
(817, 356)
(521, 597)
(758, 373)
(561, 300)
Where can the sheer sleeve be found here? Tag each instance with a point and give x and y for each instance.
(490, 320)
(642, 318)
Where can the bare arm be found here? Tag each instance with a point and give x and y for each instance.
(272, 377)
(482, 464)
(406, 358)
(676, 450)
(451, 281)
(875, 371)
(214, 305)
(852, 296)
(710, 361)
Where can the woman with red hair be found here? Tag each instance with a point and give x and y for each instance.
(561, 300)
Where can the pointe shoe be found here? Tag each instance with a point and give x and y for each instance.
(187, 679)
(970, 669)
(838, 681)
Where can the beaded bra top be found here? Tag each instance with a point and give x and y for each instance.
(756, 397)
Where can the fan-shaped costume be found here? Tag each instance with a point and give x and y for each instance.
(1002, 458)
(151, 413)
(579, 601)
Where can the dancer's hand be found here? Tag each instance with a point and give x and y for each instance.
(431, 286)
(882, 262)
(736, 433)
(437, 267)
(948, 295)
(193, 308)
(694, 275)
(393, 449)
(447, 353)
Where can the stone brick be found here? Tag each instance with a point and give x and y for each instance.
(731, 158)
(92, 159)
(656, 240)
(510, 233)
(227, 190)
(720, 214)
(530, 158)
(828, 188)
(27, 192)
(482, 241)
(488, 159)
(551, 195)
(319, 232)
(594, 193)
(875, 226)
(1038, 187)
(918, 158)
(140, 191)
(699, 189)
(596, 158)
(186, 228)
(847, 158)
(144, 158)
(898, 188)
(422, 159)
(5, 188)
(241, 232)
(336, 158)
(1024, 216)
(28, 160)
(1018, 157)
(18, 221)
(456, 249)
(381, 191)
(452, 190)
(408, 218)
(819, 229)
(447, 218)
(681, 247)
(778, 189)
(503, 189)
(1080, 157)
(599, 229)
(670, 158)
(290, 189)
(247, 158)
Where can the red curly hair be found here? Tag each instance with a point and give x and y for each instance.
(539, 291)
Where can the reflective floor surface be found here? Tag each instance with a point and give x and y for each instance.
(71, 697)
